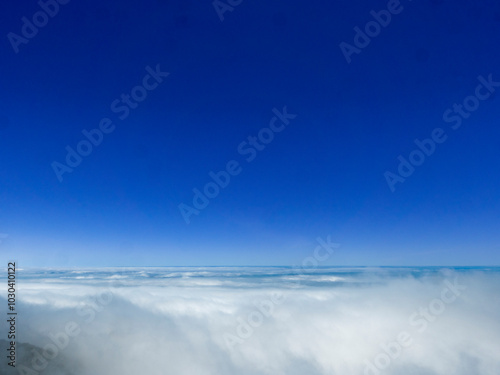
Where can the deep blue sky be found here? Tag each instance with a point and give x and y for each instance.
(323, 175)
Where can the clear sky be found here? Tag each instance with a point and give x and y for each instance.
(329, 167)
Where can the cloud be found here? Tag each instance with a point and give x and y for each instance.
(325, 321)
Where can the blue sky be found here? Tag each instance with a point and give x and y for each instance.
(322, 175)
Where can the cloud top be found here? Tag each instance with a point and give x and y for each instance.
(270, 320)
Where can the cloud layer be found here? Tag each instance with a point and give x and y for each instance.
(257, 321)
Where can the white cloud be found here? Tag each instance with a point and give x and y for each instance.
(173, 321)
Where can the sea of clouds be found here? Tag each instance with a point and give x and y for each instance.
(255, 320)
